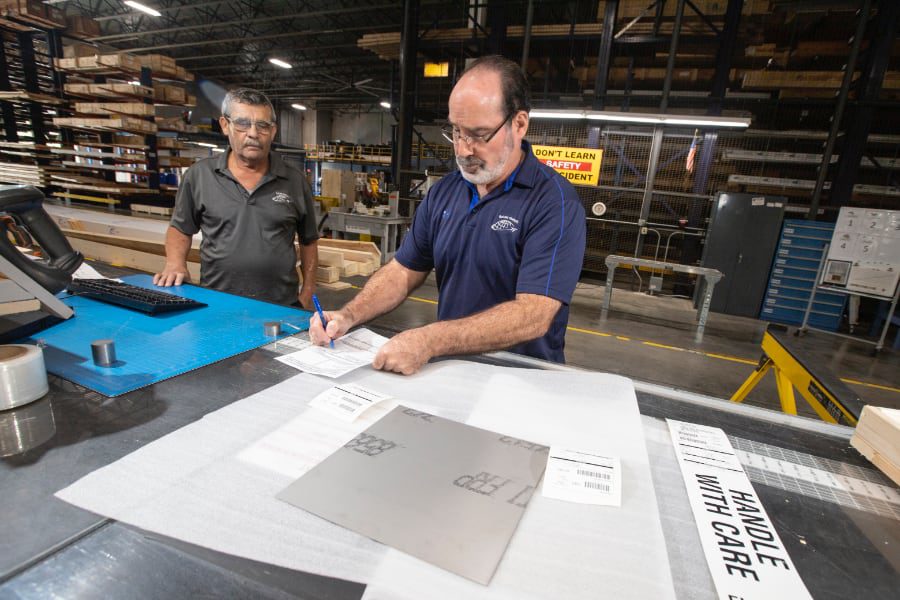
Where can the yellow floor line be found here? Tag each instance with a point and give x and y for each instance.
(886, 388)
(736, 359)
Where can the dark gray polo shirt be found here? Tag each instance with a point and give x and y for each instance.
(248, 236)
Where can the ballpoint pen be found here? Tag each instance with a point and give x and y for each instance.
(322, 318)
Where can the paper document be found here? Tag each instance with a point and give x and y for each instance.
(350, 352)
(294, 342)
(347, 401)
(86, 271)
(585, 477)
(746, 558)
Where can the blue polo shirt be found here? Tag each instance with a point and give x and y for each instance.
(525, 236)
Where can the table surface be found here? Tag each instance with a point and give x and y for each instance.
(49, 547)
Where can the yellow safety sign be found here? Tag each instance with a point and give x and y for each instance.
(581, 166)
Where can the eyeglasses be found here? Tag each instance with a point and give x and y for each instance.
(454, 135)
(240, 124)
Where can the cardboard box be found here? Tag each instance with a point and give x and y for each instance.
(82, 26)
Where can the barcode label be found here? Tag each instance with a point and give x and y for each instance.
(347, 401)
(594, 474)
(597, 486)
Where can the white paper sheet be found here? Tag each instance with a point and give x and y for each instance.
(197, 483)
(347, 401)
(350, 352)
(585, 477)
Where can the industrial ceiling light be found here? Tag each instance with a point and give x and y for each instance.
(385, 104)
(644, 118)
(142, 8)
(299, 106)
(280, 63)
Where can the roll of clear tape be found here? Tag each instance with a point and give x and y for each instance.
(23, 377)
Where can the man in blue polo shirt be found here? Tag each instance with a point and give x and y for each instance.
(505, 235)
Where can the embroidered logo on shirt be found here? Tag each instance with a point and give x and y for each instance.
(281, 198)
(505, 223)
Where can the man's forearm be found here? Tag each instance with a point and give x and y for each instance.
(178, 245)
(527, 317)
(384, 292)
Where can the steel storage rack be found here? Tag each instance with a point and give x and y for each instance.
(793, 278)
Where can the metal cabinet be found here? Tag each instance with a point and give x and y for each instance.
(743, 234)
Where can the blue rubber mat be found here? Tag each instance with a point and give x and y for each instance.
(153, 348)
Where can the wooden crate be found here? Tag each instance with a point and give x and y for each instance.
(169, 94)
(77, 49)
(82, 26)
(32, 11)
(159, 64)
(115, 108)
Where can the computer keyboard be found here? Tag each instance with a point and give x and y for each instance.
(131, 296)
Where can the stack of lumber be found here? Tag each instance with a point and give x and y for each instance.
(124, 91)
(32, 12)
(877, 437)
(120, 240)
(345, 258)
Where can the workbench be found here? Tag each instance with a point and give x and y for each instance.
(52, 549)
(388, 229)
(710, 278)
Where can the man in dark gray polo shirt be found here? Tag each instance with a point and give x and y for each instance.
(249, 205)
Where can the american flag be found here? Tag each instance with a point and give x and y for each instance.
(691, 155)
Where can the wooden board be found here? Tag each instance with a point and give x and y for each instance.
(110, 124)
(124, 257)
(115, 108)
(108, 90)
(327, 274)
(23, 96)
(335, 286)
(120, 62)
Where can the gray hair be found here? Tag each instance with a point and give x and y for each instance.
(246, 96)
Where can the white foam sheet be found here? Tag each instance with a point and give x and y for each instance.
(213, 483)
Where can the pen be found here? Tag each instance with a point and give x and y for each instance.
(322, 317)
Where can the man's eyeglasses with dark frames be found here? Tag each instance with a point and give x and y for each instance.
(240, 124)
(454, 135)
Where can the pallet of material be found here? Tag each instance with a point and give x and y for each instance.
(82, 26)
(102, 167)
(108, 90)
(163, 211)
(877, 437)
(169, 94)
(119, 62)
(159, 64)
(176, 161)
(23, 96)
(776, 80)
(24, 174)
(110, 124)
(137, 109)
(128, 157)
(175, 124)
(34, 12)
(169, 142)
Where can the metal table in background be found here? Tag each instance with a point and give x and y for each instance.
(385, 228)
(710, 277)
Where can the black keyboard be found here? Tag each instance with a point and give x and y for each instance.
(131, 296)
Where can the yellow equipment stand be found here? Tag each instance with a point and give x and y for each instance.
(832, 400)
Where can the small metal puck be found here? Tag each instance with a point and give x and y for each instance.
(104, 352)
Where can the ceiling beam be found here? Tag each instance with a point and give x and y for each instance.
(239, 21)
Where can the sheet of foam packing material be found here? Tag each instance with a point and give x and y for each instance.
(197, 483)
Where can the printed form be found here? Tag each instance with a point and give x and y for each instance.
(350, 352)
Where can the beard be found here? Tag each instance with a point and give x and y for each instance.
(476, 171)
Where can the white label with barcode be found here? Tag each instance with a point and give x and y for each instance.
(582, 476)
(347, 401)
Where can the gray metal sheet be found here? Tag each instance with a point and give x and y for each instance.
(441, 491)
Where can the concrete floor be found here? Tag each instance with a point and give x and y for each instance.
(651, 338)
